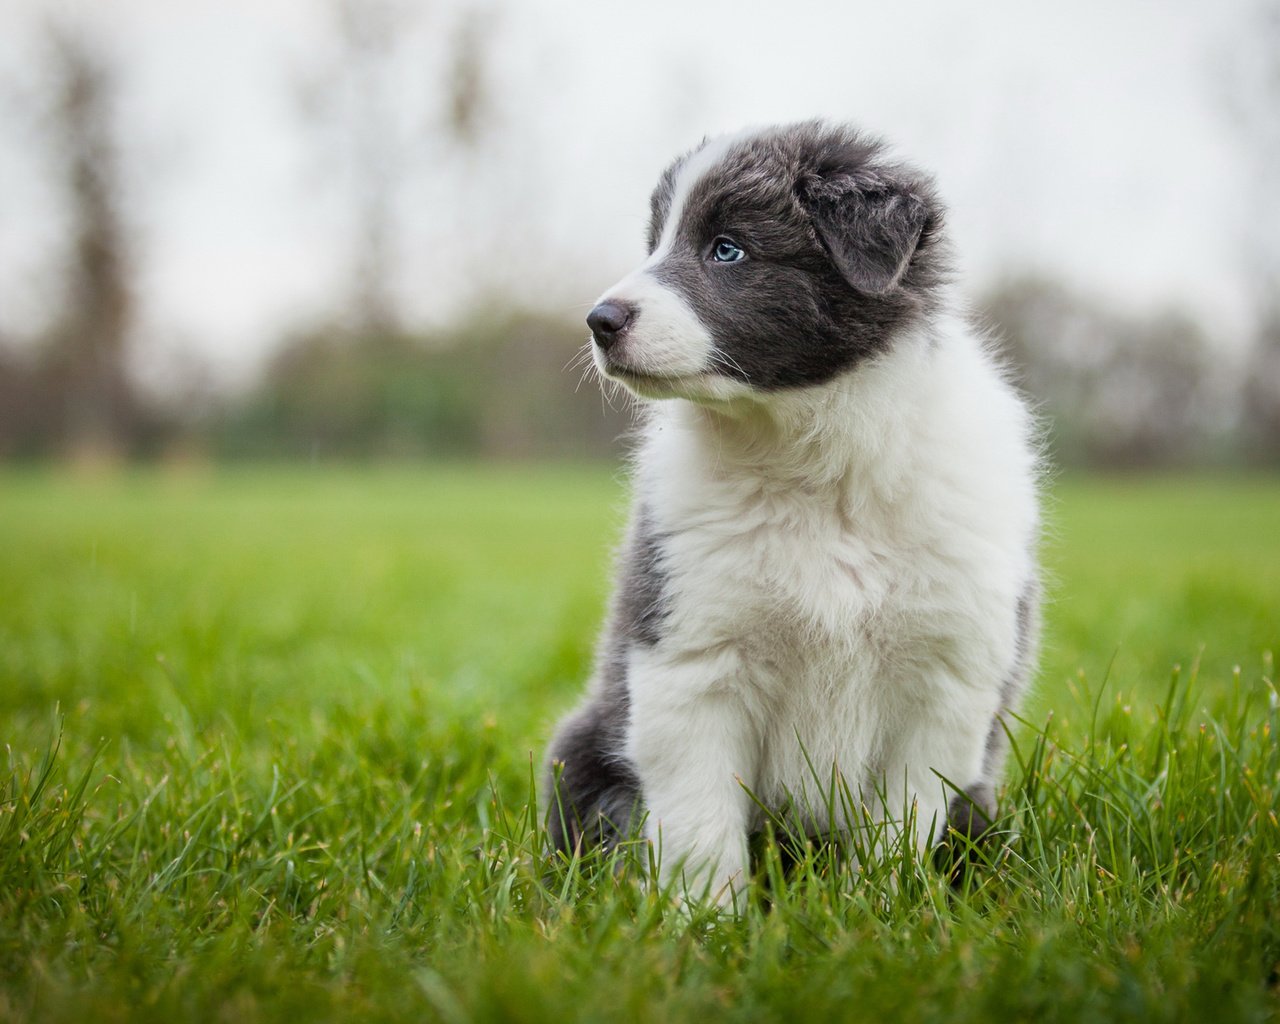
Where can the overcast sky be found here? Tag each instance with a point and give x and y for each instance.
(1088, 140)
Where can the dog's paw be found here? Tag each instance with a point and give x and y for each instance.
(710, 885)
(729, 892)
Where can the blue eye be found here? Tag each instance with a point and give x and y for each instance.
(724, 250)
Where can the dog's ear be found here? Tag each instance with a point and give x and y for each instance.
(870, 226)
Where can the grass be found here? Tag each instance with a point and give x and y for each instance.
(271, 737)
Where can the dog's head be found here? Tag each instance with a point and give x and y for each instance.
(777, 259)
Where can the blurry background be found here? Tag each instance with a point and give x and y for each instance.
(332, 229)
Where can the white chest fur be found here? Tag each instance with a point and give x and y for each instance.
(840, 590)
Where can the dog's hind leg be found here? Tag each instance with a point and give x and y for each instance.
(594, 793)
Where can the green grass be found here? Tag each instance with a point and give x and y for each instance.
(270, 738)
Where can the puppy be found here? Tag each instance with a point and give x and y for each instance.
(830, 571)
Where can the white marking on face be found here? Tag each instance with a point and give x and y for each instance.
(667, 339)
(694, 170)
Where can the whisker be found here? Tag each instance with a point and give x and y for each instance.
(586, 371)
(613, 389)
(577, 358)
(727, 362)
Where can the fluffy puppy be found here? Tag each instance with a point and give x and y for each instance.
(830, 570)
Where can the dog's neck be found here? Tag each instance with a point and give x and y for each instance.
(860, 425)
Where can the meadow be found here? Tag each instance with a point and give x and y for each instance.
(271, 739)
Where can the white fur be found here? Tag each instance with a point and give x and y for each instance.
(667, 341)
(694, 168)
(844, 567)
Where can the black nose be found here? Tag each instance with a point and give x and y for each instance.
(607, 322)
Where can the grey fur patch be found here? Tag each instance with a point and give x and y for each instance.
(971, 811)
(660, 200)
(640, 605)
(595, 794)
(843, 248)
(594, 791)
(1027, 636)
(969, 815)
(871, 229)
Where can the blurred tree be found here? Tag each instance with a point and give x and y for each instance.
(467, 83)
(1261, 391)
(83, 363)
(494, 385)
(1117, 391)
(22, 418)
(367, 30)
(375, 106)
(1252, 93)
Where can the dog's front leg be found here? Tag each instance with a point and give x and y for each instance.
(695, 746)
